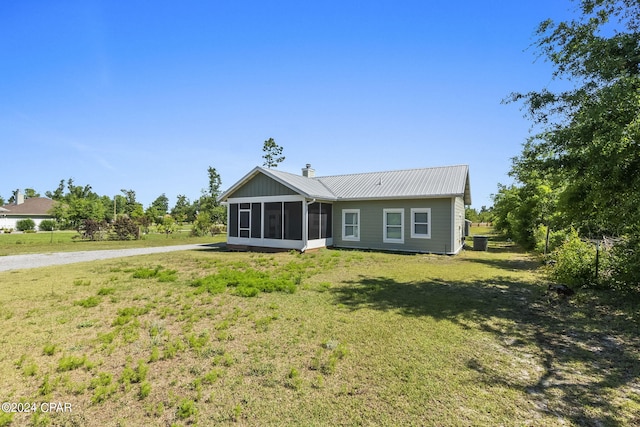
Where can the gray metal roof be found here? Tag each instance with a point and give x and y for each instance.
(443, 181)
(410, 183)
(310, 187)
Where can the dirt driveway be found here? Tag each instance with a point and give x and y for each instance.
(19, 262)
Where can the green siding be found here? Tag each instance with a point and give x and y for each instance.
(459, 223)
(261, 185)
(371, 225)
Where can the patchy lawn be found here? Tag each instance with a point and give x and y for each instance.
(332, 337)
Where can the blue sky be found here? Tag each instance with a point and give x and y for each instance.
(146, 95)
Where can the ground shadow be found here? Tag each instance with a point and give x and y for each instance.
(564, 336)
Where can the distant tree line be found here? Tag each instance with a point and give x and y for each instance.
(577, 187)
(122, 217)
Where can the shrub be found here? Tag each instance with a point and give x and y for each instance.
(624, 263)
(26, 224)
(186, 409)
(92, 229)
(47, 225)
(556, 239)
(92, 301)
(574, 262)
(124, 228)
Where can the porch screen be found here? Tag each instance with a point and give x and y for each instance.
(293, 220)
(256, 220)
(233, 220)
(273, 220)
(319, 221)
(325, 220)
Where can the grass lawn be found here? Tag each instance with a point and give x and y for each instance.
(67, 241)
(333, 337)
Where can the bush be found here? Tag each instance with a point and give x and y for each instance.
(92, 229)
(624, 263)
(124, 228)
(47, 225)
(556, 239)
(574, 262)
(26, 225)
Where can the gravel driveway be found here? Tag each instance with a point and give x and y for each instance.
(18, 262)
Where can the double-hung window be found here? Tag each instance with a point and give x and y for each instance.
(393, 231)
(421, 223)
(351, 224)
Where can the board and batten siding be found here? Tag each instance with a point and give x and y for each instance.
(458, 224)
(372, 223)
(260, 186)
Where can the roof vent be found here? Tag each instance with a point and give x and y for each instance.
(308, 172)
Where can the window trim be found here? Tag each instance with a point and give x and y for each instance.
(415, 235)
(352, 238)
(385, 226)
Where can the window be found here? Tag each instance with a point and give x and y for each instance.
(351, 224)
(421, 223)
(393, 226)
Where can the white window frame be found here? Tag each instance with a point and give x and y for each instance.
(356, 237)
(415, 235)
(386, 239)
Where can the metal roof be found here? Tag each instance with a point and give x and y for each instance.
(445, 181)
(310, 187)
(410, 183)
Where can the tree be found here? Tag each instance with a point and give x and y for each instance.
(30, 193)
(590, 133)
(58, 193)
(161, 204)
(182, 209)
(272, 154)
(131, 207)
(215, 182)
(209, 198)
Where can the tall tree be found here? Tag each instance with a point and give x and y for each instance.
(272, 154)
(131, 206)
(161, 204)
(215, 182)
(30, 193)
(58, 193)
(591, 132)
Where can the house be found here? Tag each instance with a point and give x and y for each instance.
(36, 208)
(415, 210)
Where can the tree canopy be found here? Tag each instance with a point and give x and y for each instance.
(580, 174)
(272, 154)
(587, 151)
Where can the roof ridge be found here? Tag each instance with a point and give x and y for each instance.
(391, 171)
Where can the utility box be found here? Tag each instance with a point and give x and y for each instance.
(480, 243)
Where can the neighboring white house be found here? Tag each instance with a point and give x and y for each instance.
(36, 208)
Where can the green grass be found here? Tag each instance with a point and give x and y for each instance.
(364, 338)
(67, 241)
